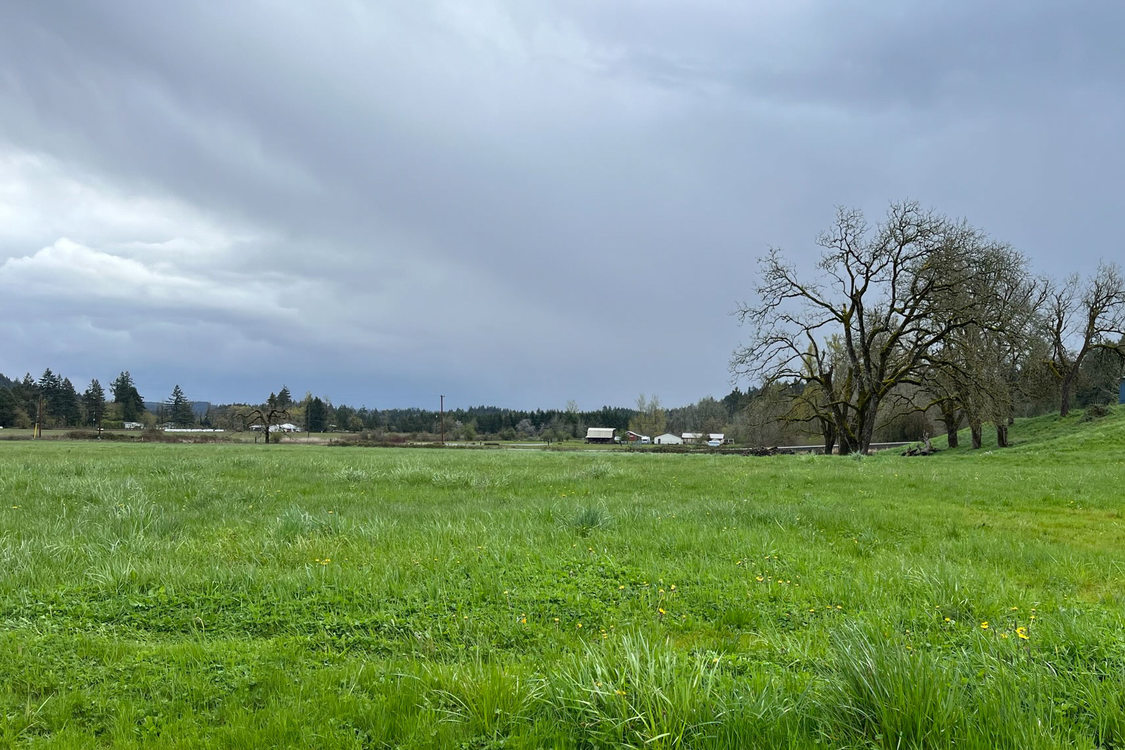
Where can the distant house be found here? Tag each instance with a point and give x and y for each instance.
(132, 425)
(286, 427)
(668, 439)
(691, 437)
(636, 437)
(599, 435)
(716, 436)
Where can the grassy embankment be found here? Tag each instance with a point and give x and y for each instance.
(253, 596)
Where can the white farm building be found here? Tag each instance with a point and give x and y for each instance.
(599, 435)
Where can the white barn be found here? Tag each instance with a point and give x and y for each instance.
(668, 439)
(599, 435)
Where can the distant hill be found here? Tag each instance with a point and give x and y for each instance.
(198, 408)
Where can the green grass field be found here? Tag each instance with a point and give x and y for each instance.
(258, 596)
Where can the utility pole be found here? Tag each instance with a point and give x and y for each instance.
(443, 419)
(38, 431)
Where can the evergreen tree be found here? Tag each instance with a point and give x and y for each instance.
(179, 409)
(60, 401)
(27, 397)
(8, 407)
(316, 416)
(125, 393)
(93, 401)
(284, 398)
(67, 404)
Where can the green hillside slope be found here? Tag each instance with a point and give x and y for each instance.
(1080, 431)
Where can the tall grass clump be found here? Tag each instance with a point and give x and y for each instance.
(635, 693)
(889, 695)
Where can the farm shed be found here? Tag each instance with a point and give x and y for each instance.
(668, 439)
(692, 437)
(599, 435)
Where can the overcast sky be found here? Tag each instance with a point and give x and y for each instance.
(512, 203)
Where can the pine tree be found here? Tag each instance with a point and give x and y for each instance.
(316, 416)
(125, 393)
(179, 409)
(8, 407)
(67, 405)
(284, 398)
(93, 401)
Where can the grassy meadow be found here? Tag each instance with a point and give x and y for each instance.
(163, 595)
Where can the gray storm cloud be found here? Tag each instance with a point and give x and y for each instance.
(517, 204)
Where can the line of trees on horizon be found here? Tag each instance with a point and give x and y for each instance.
(766, 415)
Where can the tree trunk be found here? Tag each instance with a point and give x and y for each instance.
(829, 431)
(951, 418)
(1064, 393)
(951, 434)
(1002, 435)
(975, 431)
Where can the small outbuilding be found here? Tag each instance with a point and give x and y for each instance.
(692, 437)
(668, 439)
(599, 435)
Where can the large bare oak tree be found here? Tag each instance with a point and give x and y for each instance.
(871, 322)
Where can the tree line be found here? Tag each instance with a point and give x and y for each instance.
(53, 401)
(927, 316)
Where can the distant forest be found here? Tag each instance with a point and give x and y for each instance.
(752, 417)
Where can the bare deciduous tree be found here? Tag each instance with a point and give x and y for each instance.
(976, 368)
(267, 416)
(887, 295)
(1081, 319)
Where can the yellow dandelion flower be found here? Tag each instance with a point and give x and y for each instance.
(1022, 633)
(661, 610)
(984, 625)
